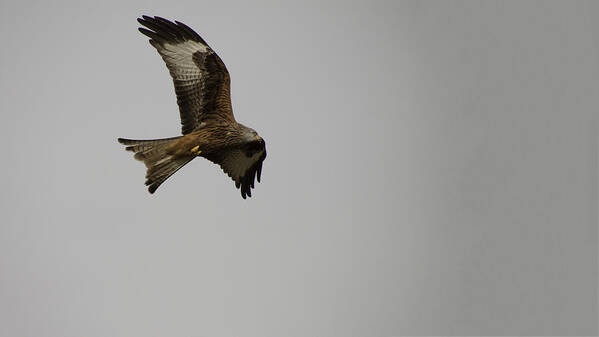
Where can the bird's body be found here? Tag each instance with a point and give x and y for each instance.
(202, 85)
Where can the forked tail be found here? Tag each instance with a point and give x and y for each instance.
(160, 165)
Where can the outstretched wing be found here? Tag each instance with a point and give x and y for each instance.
(202, 82)
(243, 165)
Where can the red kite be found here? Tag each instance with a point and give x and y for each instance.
(202, 86)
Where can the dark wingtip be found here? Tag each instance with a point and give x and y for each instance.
(246, 190)
(148, 33)
(259, 172)
(190, 32)
(164, 30)
(145, 18)
(125, 141)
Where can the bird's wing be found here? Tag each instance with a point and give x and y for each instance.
(241, 166)
(202, 82)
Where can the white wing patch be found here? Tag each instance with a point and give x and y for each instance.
(179, 58)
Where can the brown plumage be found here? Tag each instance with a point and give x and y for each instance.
(202, 86)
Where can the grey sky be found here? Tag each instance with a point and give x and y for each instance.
(431, 170)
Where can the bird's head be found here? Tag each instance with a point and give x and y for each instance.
(250, 135)
(253, 143)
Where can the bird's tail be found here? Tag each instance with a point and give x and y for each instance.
(160, 164)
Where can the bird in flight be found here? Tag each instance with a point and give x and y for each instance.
(203, 89)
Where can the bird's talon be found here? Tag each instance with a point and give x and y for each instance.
(196, 150)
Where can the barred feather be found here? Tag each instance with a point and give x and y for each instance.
(160, 165)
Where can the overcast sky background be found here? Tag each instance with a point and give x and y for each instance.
(431, 170)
